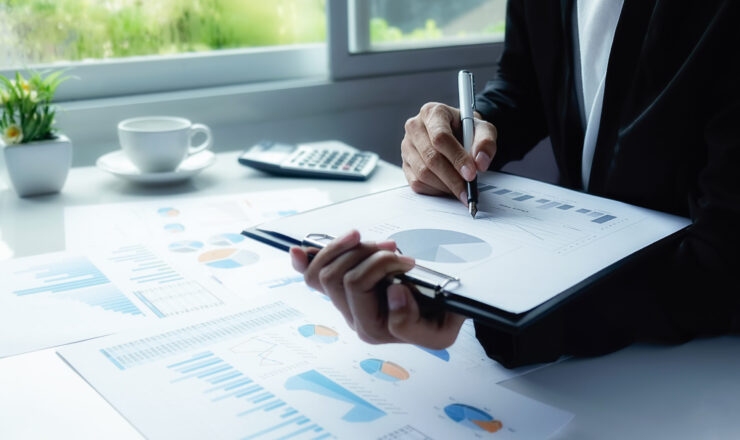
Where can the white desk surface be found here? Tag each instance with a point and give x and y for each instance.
(691, 391)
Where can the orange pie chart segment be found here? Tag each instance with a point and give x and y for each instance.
(490, 426)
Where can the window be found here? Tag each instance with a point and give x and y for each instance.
(45, 31)
(387, 25)
(388, 36)
(144, 46)
(124, 47)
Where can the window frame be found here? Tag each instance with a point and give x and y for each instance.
(349, 34)
(123, 76)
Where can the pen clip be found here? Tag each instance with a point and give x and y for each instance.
(317, 240)
(472, 91)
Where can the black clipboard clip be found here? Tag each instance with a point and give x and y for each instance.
(428, 285)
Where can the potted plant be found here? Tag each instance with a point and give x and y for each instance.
(37, 158)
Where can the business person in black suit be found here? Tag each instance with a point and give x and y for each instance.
(641, 102)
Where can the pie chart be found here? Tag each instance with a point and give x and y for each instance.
(319, 333)
(472, 417)
(174, 227)
(226, 239)
(168, 212)
(384, 370)
(228, 258)
(441, 245)
(185, 246)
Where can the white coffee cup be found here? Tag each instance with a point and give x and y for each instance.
(160, 143)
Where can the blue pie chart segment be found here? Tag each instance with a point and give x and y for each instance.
(441, 245)
(442, 354)
(385, 370)
(319, 333)
(227, 239)
(472, 417)
(174, 227)
(185, 246)
(228, 258)
(168, 212)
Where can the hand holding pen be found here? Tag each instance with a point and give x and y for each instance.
(435, 161)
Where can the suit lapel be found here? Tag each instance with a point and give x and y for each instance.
(625, 52)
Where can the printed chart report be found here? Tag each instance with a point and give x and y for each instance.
(199, 234)
(59, 298)
(530, 239)
(271, 371)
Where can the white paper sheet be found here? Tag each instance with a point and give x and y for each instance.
(292, 369)
(63, 297)
(529, 242)
(201, 234)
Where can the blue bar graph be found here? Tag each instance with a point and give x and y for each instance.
(145, 266)
(603, 219)
(544, 203)
(77, 279)
(266, 415)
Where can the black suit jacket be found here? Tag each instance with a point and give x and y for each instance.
(669, 140)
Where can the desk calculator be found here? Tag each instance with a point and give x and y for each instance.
(328, 160)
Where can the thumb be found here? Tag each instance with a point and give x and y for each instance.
(406, 324)
(403, 311)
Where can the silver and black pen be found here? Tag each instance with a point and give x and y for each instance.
(467, 107)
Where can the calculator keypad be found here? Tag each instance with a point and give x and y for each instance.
(330, 161)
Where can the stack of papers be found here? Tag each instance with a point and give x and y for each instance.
(200, 333)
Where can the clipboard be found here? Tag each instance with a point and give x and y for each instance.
(433, 296)
(437, 289)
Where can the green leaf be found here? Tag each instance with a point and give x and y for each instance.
(6, 82)
(31, 129)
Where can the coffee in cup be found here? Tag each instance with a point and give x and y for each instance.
(160, 143)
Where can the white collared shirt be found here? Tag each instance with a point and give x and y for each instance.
(597, 23)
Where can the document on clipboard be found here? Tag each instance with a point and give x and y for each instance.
(531, 245)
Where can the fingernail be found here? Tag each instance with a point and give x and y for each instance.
(482, 160)
(463, 197)
(467, 173)
(396, 298)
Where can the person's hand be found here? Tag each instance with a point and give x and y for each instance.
(353, 274)
(434, 161)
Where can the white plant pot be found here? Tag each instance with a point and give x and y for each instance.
(39, 167)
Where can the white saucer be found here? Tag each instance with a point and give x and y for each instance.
(118, 164)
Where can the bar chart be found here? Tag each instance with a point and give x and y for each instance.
(73, 278)
(265, 414)
(144, 265)
(162, 345)
(592, 215)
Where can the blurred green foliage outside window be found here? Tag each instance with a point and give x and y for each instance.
(47, 31)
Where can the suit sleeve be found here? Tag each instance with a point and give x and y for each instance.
(684, 289)
(511, 101)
